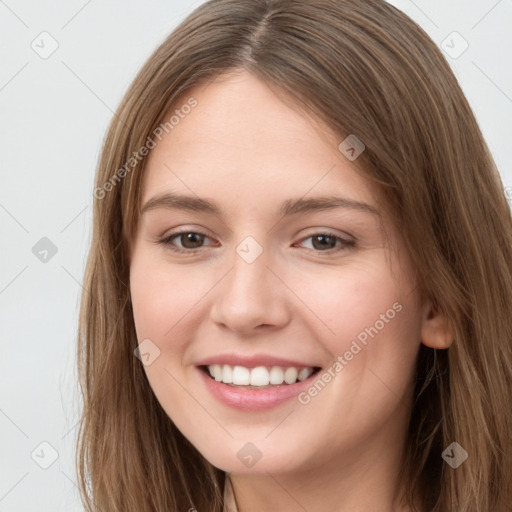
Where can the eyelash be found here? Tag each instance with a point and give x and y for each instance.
(167, 241)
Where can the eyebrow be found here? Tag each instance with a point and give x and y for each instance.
(288, 208)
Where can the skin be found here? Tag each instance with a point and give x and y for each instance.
(249, 151)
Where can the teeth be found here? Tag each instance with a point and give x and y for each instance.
(227, 374)
(241, 376)
(217, 372)
(304, 373)
(259, 376)
(276, 375)
(290, 375)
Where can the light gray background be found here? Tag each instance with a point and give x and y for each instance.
(54, 115)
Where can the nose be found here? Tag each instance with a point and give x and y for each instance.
(251, 297)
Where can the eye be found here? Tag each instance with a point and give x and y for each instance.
(189, 240)
(326, 242)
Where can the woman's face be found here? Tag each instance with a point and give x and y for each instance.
(262, 255)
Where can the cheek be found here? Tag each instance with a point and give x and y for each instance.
(371, 328)
(356, 301)
(167, 303)
(163, 299)
(163, 296)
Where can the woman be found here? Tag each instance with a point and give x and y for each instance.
(298, 289)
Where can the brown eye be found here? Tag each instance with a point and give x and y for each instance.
(191, 240)
(325, 242)
(321, 242)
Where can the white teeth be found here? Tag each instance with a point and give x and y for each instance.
(259, 376)
(216, 372)
(241, 376)
(276, 375)
(290, 375)
(227, 374)
(304, 373)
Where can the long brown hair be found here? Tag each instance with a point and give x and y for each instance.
(364, 68)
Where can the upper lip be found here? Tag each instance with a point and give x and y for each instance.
(253, 361)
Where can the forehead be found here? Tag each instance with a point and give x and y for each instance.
(241, 138)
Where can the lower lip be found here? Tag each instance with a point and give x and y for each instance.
(253, 399)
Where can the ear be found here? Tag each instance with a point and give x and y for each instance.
(436, 331)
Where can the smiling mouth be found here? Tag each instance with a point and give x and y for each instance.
(260, 377)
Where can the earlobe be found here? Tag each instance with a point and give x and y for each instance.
(436, 331)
